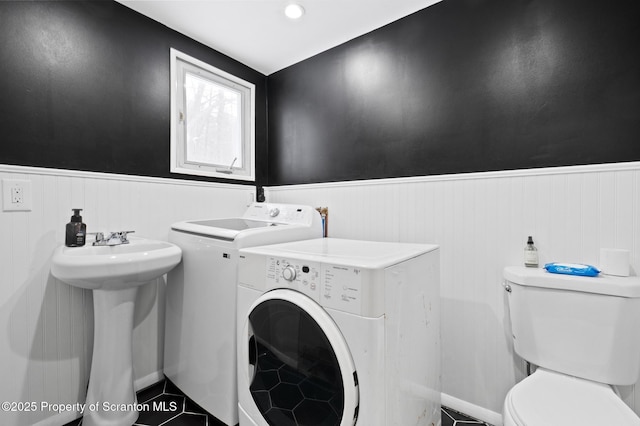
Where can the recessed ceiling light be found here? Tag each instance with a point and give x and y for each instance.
(294, 11)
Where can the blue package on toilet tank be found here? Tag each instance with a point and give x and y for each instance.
(572, 269)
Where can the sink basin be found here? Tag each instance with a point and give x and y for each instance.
(114, 267)
(114, 273)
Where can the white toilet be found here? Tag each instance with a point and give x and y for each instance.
(583, 333)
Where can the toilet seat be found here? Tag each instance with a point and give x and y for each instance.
(547, 398)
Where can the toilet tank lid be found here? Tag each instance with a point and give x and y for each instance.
(602, 284)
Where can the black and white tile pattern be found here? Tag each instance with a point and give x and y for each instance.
(454, 418)
(175, 408)
(187, 413)
(286, 395)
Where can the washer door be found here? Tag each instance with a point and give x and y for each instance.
(301, 372)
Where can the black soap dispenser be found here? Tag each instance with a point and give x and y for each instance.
(76, 230)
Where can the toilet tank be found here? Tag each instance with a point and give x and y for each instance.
(587, 327)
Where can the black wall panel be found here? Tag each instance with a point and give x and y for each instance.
(85, 86)
(464, 86)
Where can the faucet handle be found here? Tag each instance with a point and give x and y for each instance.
(99, 238)
(123, 236)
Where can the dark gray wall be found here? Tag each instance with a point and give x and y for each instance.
(464, 86)
(85, 86)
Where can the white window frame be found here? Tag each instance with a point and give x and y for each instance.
(180, 63)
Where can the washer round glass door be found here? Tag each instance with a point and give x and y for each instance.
(300, 369)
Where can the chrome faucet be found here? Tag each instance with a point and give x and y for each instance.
(112, 238)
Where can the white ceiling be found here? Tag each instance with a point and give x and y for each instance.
(256, 32)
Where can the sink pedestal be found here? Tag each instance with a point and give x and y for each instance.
(111, 398)
(114, 273)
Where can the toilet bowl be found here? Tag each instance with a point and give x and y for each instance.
(581, 333)
(547, 398)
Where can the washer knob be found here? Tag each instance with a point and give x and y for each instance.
(274, 212)
(289, 273)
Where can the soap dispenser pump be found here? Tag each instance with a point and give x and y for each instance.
(76, 230)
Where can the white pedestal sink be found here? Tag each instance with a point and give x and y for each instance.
(114, 273)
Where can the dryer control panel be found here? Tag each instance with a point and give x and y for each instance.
(333, 286)
(285, 273)
(341, 287)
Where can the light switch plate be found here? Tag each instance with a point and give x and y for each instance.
(16, 195)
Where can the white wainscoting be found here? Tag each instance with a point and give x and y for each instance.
(46, 326)
(481, 221)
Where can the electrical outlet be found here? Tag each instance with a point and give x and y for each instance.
(16, 195)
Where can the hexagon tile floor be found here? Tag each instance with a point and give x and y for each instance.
(181, 411)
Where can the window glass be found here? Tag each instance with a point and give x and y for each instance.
(214, 125)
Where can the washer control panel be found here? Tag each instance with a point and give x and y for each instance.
(333, 286)
(281, 213)
(273, 212)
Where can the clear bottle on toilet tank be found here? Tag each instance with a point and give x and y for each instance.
(530, 254)
(76, 231)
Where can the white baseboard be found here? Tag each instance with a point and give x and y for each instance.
(472, 410)
(148, 380)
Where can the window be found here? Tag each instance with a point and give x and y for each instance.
(212, 121)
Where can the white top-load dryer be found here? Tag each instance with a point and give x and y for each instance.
(200, 330)
(339, 332)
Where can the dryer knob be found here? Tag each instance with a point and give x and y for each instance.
(289, 273)
(274, 212)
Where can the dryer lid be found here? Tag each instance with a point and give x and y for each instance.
(547, 398)
(352, 253)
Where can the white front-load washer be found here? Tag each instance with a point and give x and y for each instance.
(200, 330)
(339, 332)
